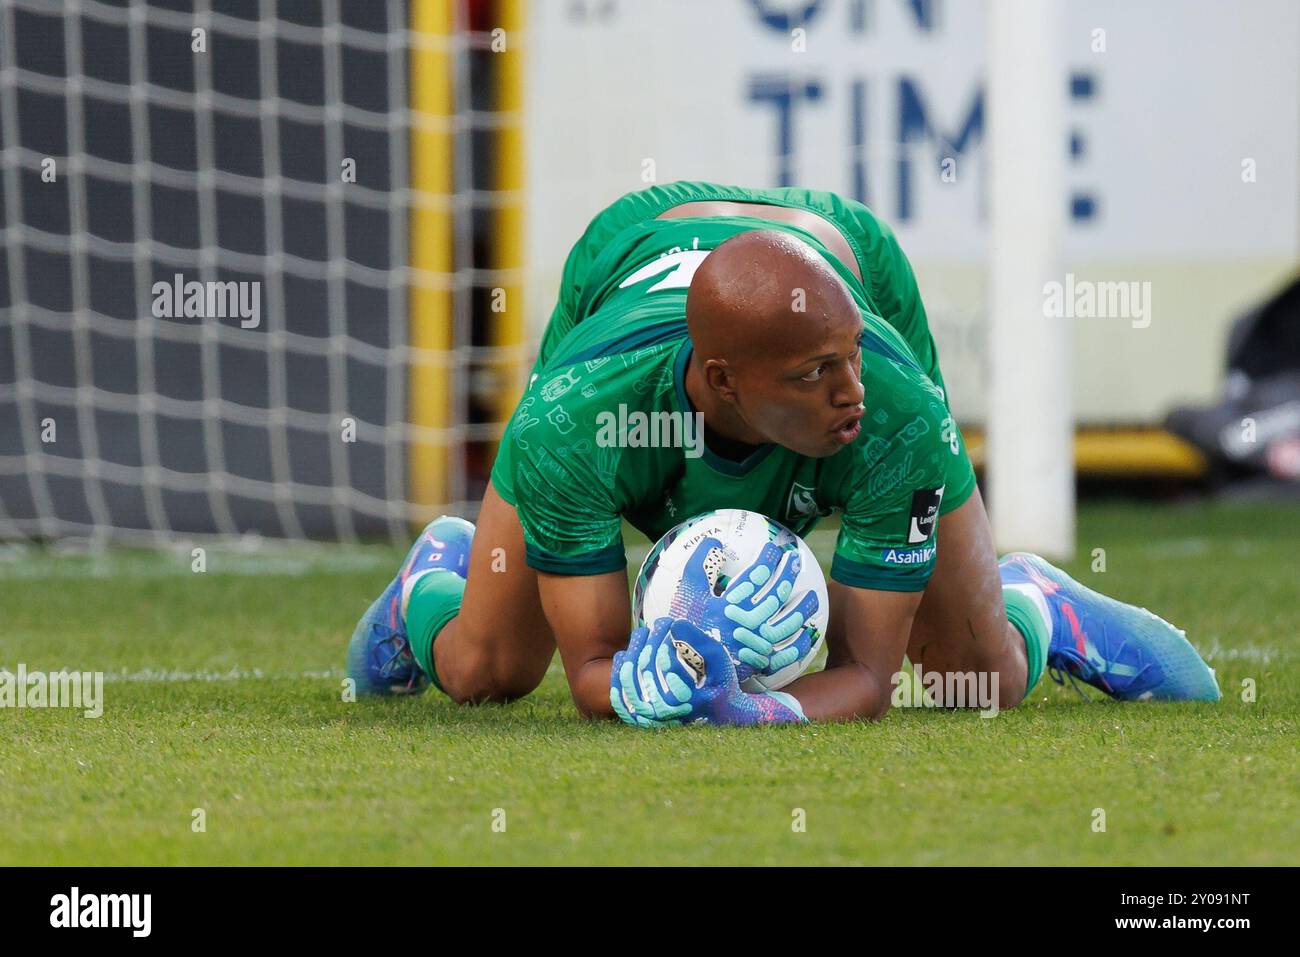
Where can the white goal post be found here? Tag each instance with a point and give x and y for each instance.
(1030, 418)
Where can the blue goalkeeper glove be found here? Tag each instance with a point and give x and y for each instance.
(740, 616)
(674, 673)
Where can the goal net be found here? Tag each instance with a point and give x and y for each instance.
(240, 292)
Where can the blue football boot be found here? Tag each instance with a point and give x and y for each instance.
(379, 655)
(1126, 651)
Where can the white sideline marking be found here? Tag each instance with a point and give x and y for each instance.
(177, 675)
(1189, 547)
(1217, 652)
(25, 563)
(1177, 547)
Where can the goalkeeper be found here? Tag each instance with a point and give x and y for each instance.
(788, 321)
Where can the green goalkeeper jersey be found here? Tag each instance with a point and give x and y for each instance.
(605, 431)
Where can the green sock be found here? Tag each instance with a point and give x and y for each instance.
(1027, 611)
(435, 600)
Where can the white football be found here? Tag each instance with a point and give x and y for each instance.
(743, 535)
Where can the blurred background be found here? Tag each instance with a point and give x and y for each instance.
(403, 180)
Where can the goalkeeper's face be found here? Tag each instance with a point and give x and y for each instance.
(777, 333)
(805, 395)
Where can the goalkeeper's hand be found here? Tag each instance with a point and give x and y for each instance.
(741, 616)
(674, 673)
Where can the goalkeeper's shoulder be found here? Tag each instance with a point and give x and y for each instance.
(589, 438)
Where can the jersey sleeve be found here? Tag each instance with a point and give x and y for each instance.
(889, 279)
(892, 285)
(562, 485)
(889, 531)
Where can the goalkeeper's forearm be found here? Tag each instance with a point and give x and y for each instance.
(843, 693)
(588, 615)
(589, 686)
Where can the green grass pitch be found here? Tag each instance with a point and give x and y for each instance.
(223, 694)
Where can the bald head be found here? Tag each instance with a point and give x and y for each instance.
(776, 338)
(763, 294)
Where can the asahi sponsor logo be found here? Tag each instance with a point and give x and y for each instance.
(907, 556)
